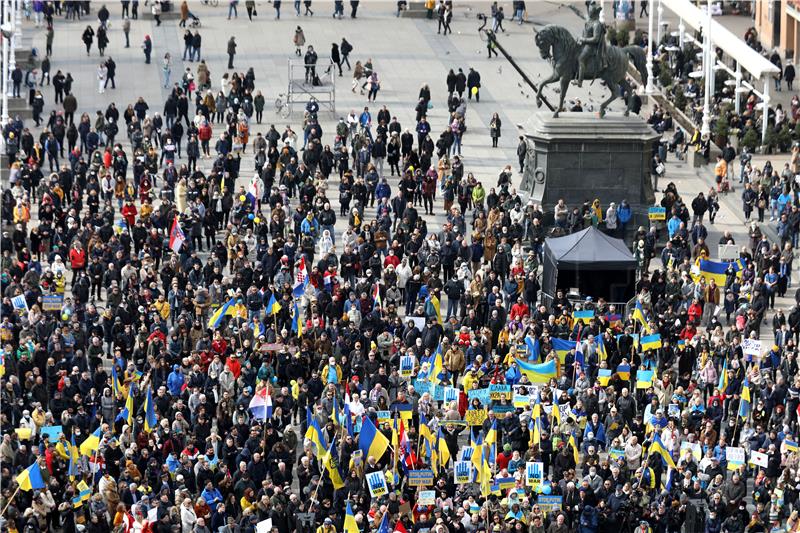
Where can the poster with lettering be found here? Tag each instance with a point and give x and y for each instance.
(534, 474)
(406, 366)
(462, 471)
(475, 417)
(376, 481)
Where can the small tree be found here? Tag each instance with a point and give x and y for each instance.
(623, 37)
(665, 77)
(784, 138)
(721, 132)
(750, 139)
(680, 98)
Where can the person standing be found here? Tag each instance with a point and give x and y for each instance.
(147, 46)
(126, 29)
(494, 129)
(111, 68)
(197, 43)
(166, 67)
(461, 83)
(258, 105)
(88, 38)
(310, 61)
(788, 75)
(277, 5)
(231, 51)
(336, 57)
(102, 40)
(353, 8)
(49, 42)
(643, 9)
(70, 104)
(232, 9)
(102, 72)
(299, 40)
(345, 48)
(473, 85)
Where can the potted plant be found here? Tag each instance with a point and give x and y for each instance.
(784, 138)
(751, 140)
(665, 76)
(770, 141)
(721, 131)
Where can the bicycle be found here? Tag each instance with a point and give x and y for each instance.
(213, 3)
(282, 106)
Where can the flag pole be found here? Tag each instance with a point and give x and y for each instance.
(8, 503)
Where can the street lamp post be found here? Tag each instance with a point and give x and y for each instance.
(660, 12)
(11, 9)
(5, 34)
(709, 72)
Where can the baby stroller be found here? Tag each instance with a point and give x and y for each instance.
(194, 20)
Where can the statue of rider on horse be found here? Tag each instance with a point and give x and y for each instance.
(588, 58)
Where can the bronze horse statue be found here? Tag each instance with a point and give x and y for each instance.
(556, 44)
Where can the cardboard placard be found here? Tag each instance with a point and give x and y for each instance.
(475, 417)
(534, 474)
(735, 457)
(752, 347)
(657, 213)
(462, 472)
(427, 497)
(406, 366)
(376, 482)
(52, 302)
(499, 391)
(548, 504)
(759, 459)
(420, 478)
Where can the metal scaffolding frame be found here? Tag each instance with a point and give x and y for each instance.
(301, 91)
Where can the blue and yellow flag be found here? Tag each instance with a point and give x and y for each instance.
(31, 478)
(273, 306)
(657, 447)
(331, 462)
(723, 377)
(350, 524)
(601, 348)
(82, 495)
(371, 441)
(115, 386)
(229, 308)
(562, 347)
(127, 412)
(150, 420)
(604, 376)
(744, 400)
(624, 372)
(638, 314)
(541, 373)
(92, 442)
(314, 433)
(645, 379)
(583, 316)
(297, 322)
(650, 342)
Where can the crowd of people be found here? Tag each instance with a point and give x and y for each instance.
(194, 344)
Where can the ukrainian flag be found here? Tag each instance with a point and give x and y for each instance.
(150, 420)
(72, 470)
(791, 446)
(227, 309)
(31, 478)
(540, 373)
(650, 342)
(583, 316)
(92, 442)
(723, 377)
(716, 270)
(562, 347)
(744, 400)
(645, 378)
(350, 524)
(331, 462)
(574, 446)
(437, 306)
(601, 348)
(533, 348)
(83, 495)
(658, 447)
(115, 386)
(371, 441)
(604, 376)
(273, 306)
(127, 412)
(638, 314)
(491, 436)
(314, 433)
(297, 323)
(624, 372)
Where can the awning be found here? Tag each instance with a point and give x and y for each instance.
(733, 46)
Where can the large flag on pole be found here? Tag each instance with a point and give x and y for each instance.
(176, 236)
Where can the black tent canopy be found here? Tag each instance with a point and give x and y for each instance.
(591, 261)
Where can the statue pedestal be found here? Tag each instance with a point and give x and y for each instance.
(580, 157)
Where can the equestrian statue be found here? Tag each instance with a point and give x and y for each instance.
(588, 58)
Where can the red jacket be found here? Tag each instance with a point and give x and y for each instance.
(77, 258)
(204, 132)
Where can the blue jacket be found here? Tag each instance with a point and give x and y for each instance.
(175, 381)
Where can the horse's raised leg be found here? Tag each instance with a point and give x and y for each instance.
(553, 77)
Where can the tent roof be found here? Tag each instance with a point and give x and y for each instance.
(590, 249)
